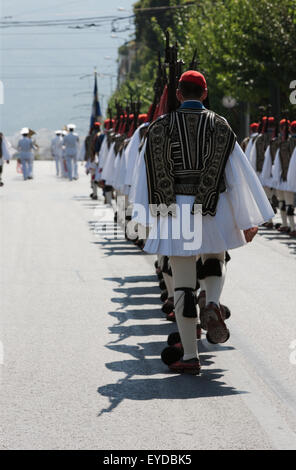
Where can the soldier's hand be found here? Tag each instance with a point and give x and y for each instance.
(250, 233)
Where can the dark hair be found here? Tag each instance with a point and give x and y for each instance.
(191, 90)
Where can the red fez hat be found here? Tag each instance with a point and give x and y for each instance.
(271, 120)
(192, 76)
(284, 121)
(254, 126)
(143, 117)
(293, 124)
(97, 124)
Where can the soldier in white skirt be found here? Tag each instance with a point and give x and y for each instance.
(253, 135)
(262, 141)
(284, 176)
(250, 138)
(267, 173)
(200, 197)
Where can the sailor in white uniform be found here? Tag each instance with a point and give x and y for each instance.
(71, 144)
(64, 169)
(57, 150)
(26, 149)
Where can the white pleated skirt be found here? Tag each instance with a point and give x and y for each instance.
(243, 205)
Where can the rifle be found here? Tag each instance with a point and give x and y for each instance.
(194, 63)
(171, 60)
(158, 88)
(119, 113)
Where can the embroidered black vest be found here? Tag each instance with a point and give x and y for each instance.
(286, 150)
(186, 154)
(244, 143)
(110, 136)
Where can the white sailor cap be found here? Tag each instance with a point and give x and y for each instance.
(64, 132)
(25, 130)
(58, 132)
(71, 127)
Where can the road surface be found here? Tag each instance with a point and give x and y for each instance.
(81, 335)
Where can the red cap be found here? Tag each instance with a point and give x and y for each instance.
(97, 124)
(254, 126)
(194, 77)
(284, 121)
(143, 117)
(271, 120)
(293, 124)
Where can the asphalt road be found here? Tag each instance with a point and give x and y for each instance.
(81, 334)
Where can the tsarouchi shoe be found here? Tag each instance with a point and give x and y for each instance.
(186, 367)
(171, 316)
(284, 229)
(201, 301)
(212, 321)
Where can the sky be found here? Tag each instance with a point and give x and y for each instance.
(42, 67)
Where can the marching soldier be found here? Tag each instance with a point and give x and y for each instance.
(26, 149)
(253, 134)
(218, 200)
(261, 143)
(93, 144)
(71, 143)
(57, 150)
(291, 174)
(64, 169)
(266, 175)
(285, 188)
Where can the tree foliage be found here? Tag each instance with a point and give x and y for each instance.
(246, 48)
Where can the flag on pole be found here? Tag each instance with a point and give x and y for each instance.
(96, 108)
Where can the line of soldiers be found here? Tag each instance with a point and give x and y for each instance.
(65, 151)
(187, 194)
(271, 149)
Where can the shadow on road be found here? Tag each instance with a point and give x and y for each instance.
(141, 370)
(170, 387)
(284, 239)
(146, 376)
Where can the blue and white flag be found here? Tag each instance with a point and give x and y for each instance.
(96, 108)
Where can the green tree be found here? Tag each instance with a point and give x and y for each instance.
(246, 49)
